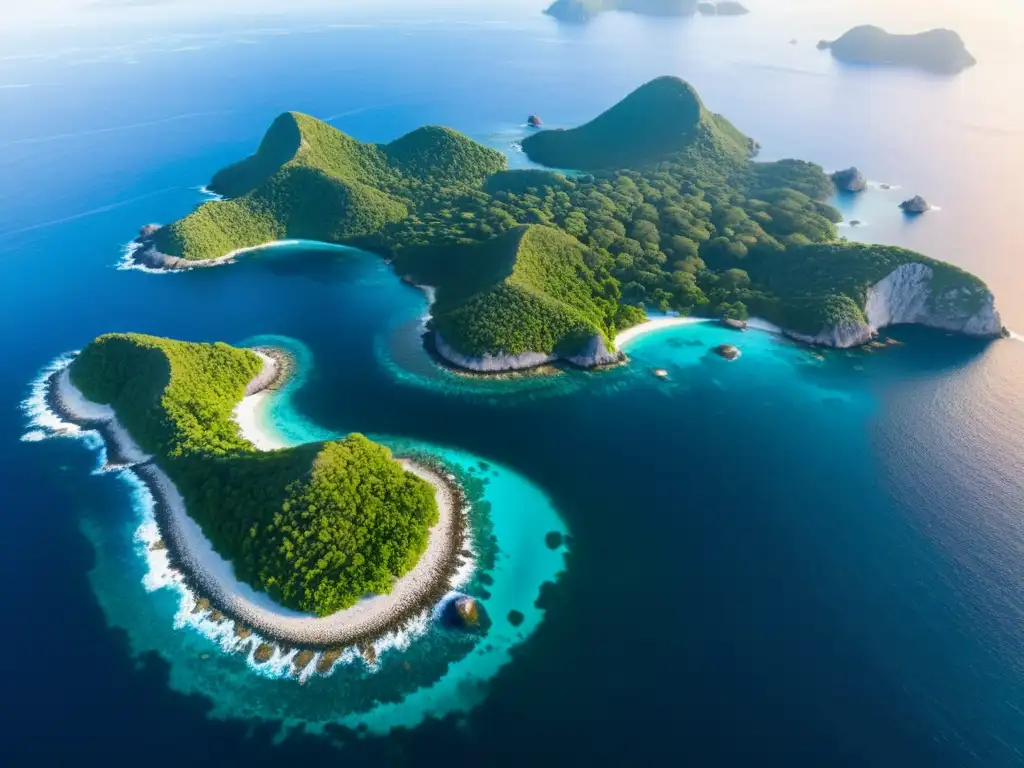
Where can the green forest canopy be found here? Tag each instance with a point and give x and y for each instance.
(317, 527)
(673, 215)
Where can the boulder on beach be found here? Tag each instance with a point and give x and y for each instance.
(534, 121)
(728, 351)
(849, 180)
(915, 205)
(736, 325)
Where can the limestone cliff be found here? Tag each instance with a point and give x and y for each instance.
(909, 295)
(594, 353)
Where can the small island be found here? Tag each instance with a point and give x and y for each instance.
(582, 11)
(939, 51)
(850, 180)
(668, 210)
(722, 8)
(915, 205)
(277, 540)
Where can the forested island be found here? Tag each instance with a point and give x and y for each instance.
(666, 210)
(316, 527)
(940, 51)
(581, 11)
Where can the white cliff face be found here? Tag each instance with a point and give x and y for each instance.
(593, 354)
(905, 296)
(842, 336)
(490, 363)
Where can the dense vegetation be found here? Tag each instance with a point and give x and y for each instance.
(532, 289)
(941, 51)
(317, 527)
(671, 214)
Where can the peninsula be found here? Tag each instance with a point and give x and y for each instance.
(940, 51)
(667, 209)
(289, 541)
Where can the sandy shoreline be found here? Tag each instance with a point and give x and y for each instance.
(653, 325)
(212, 577)
(143, 254)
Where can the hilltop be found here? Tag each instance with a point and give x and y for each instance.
(528, 291)
(292, 522)
(308, 180)
(659, 119)
(940, 51)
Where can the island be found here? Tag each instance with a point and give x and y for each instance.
(581, 11)
(850, 180)
(939, 51)
(289, 542)
(722, 8)
(915, 205)
(665, 208)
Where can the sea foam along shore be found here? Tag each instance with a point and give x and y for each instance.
(208, 574)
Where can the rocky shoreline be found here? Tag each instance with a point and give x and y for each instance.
(287, 631)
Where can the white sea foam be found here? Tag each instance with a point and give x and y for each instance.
(209, 193)
(758, 324)
(1017, 336)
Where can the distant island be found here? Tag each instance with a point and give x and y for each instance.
(940, 51)
(667, 210)
(316, 528)
(582, 11)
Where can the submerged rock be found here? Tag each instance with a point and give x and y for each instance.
(915, 205)
(728, 351)
(850, 180)
(553, 539)
(516, 618)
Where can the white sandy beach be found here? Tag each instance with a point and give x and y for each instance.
(216, 575)
(653, 325)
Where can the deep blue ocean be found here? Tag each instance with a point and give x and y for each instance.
(785, 560)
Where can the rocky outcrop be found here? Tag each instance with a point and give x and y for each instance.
(728, 351)
(915, 205)
(465, 613)
(907, 296)
(849, 180)
(534, 121)
(594, 353)
(490, 363)
(736, 325)
(265, 378)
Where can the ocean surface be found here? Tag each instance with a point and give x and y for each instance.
(790, 559)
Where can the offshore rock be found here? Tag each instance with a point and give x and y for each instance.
(849, 180)
(915, 205)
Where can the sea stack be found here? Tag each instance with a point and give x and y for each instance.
(534, 121)
(728, 351)
(849, 180)
(915, 205)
